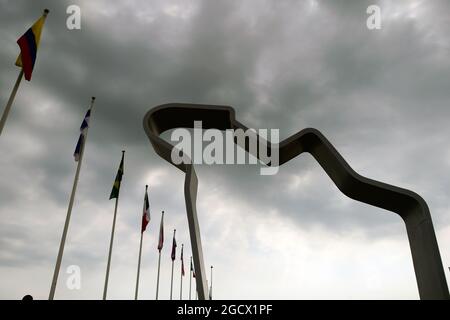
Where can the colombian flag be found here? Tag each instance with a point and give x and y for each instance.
(29, 44)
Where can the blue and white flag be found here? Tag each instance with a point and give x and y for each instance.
(81, 139)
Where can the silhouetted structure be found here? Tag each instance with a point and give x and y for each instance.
(409, 205)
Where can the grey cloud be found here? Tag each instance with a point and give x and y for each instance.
(280, 64)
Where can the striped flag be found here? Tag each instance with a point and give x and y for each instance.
(116, 186)
(83, 128)
(182, 261)
(161, 233)
(29, 43)
(174, 247)
(146, 212)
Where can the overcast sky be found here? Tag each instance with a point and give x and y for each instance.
(380, 96)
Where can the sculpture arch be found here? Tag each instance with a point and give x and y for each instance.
(410, 206)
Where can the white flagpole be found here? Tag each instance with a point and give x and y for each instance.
(210, 290)
(157, 279)
(140, 251)
(171, 278)
(10, 101)
(190, 279)
(105, 289)
(69, 213)
(139, 269)
(160, 244)
(181, 274)
(171, 283)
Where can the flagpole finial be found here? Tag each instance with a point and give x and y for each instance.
(92, 102)
(123, 151)
(163, 211)
(46, 11)
(146, 186)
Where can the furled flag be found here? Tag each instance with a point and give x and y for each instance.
(182, 261)
(192, 269)
(146, 211)
(174, 247)
(29, 43)
(116, 186)
(82, 138)
(161, 233)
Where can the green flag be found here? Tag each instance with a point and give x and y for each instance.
(116, 185)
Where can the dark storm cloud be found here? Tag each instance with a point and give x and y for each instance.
(225, 48)
(365, 79)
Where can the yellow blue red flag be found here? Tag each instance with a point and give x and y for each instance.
(29, 43)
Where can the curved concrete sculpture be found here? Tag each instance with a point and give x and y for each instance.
(409, 205)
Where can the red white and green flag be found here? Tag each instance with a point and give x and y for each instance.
(145, 212)
(161, 233)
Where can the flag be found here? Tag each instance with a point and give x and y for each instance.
(83, 128)
(182, 261)
(29, 43)
(174, 247)
(146, 212)
(192, 269)
(116, 185)
(161, 233)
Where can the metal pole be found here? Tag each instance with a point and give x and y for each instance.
(105, 290)
(69, 213)
(10, 101)
(157, 279)
(181, 273)
(181, 288)
(139, 268)
(190, 279)
(171, 282)
(210, 289)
